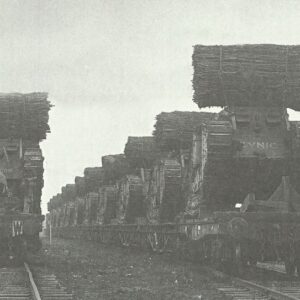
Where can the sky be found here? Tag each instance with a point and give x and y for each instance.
(110, 66)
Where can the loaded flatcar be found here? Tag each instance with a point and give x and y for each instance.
(23, 124)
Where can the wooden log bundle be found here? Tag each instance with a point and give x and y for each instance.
(247, 75)
(115, 167)
(24, 116)
(140, 151)
(80, 186)
(69, 192)
(93, 178)
(54, 202)
(174, 130)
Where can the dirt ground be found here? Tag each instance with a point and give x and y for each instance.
(102, 272)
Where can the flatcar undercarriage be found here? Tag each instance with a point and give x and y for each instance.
(231, 240)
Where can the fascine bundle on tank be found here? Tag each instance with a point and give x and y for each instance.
(247, 75)
(174, 130)
(114, 166)
(93, 177)
(140, 151)
(69, 192)
(24, 116)
(80, 186)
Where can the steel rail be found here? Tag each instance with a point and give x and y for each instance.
(34, 289)
(274, 294)
(269, 292)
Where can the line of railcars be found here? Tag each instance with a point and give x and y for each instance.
(217, 187)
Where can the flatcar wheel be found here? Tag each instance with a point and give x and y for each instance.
(289, 268)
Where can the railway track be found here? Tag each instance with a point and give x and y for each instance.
(244, 289)
(23, 283)
(238, 288)
(276, 267)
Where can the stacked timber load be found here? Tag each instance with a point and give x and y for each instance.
(174, 130)
(69, 192)
(94, 178)
(247, 75)
(115, 167)
(140, 151)
(24, 116)
(107, 204)
(164, 193)
(130, 199)
(80, 186)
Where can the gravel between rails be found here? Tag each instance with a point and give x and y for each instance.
(101, 272)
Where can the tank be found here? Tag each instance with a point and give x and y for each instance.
(247, 151)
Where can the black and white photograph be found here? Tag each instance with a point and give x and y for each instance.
(149, 150)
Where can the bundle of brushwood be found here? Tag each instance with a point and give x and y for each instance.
(174, 130)
(24, 116)
(94, 178)
(80, 186)
(114, 166)
(69, 193)
(140, 151)
(247, 75)
(55, 202)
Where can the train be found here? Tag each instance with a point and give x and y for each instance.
(221, 188)
(23, 125)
